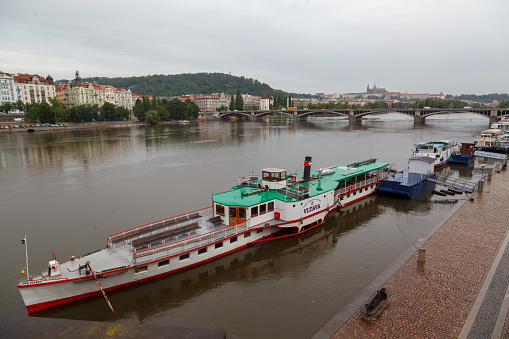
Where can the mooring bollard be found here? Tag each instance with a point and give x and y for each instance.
(421, 255)
(480, 185)
(489, 176)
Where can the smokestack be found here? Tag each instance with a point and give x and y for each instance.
(307, 168)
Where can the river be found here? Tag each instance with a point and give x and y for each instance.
(68, 190)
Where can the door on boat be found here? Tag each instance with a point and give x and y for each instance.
(237, 215)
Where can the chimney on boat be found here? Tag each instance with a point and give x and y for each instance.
(307, 168)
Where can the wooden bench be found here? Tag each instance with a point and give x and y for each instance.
(193, 215)
(215, 220)
(157, 237)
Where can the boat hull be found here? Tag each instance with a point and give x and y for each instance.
(404, 186)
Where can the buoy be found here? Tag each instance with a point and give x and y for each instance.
(22, 272)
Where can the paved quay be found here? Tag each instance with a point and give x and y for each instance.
(462, 289)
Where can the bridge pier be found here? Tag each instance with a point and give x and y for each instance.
(353, 119)
(419, 120)
(493, 116)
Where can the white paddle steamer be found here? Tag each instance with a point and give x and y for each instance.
(257, 209)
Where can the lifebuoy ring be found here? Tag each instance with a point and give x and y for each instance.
(350, 188)
(378, 178)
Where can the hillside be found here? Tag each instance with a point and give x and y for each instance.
(197, 83)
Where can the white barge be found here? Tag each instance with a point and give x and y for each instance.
(257, 209)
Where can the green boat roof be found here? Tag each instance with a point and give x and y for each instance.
(250, 196)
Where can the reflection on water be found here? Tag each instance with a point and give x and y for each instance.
(68, 190)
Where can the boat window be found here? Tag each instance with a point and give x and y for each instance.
(254, 211)
(354, 193)
(242, 213)
(348, 196)
(270, 206)
(233, 239)
(260, 230)
(263, 209)
(219, 245)
(220, 210)
(341, 198)
(142, 268)
(202, 250)
(163, 263)
(247, 234)
(233, 212)
(184, 256)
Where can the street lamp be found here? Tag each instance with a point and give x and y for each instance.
(481, 182)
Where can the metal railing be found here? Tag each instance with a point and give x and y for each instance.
(350, 188)
(187, 245)
(156, 226)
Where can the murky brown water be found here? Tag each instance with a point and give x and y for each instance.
(68, 190)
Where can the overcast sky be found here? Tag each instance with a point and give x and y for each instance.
(305, 46)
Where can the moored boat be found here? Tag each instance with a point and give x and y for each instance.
(439, 150)
(487, 140)
(465, 155)
(411, 182)
(258, 209)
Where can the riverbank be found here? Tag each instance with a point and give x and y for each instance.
(460, 291)
(22, 127)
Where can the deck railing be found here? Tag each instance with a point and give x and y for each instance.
(186, 245)
(379, 175)
(157, 226)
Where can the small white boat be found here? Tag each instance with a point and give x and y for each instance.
(440, 150)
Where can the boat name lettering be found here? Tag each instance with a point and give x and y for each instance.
(31, 282)
(312, 206)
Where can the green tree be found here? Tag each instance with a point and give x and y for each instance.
(7, 107)
(57, 108)
(239, 101)
(223, 108)
(108, 112)
(31, 113)
(122, 113)
(19, 105)
(46, 113)
(232, 103)
(163, 113)
(152, 117)
(139, 110)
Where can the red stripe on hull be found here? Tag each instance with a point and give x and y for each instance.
(42, 306)
(45, 305)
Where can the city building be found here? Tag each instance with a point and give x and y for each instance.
(209, 103)
(82, 93)
(264, 102)
(124, 99)
(108, 93)
(10, 91)
(34, 88)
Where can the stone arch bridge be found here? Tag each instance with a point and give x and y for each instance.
(356, 114)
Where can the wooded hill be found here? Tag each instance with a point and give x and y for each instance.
(187, 83)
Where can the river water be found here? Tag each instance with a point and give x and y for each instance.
(68, 190)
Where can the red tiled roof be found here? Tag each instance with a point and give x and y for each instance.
(265, 96)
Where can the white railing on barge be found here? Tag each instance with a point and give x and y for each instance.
(187, 245)
(157, 226)
(379, 175)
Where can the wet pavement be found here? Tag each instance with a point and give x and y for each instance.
(460, 291)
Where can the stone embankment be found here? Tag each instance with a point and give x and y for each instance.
(460, 291)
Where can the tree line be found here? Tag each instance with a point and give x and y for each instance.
(155, 109)
(187, 83)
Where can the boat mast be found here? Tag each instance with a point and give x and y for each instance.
(24, 241)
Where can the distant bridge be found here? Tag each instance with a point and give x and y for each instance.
(356, 114)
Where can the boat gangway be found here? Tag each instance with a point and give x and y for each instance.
(454, 183)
